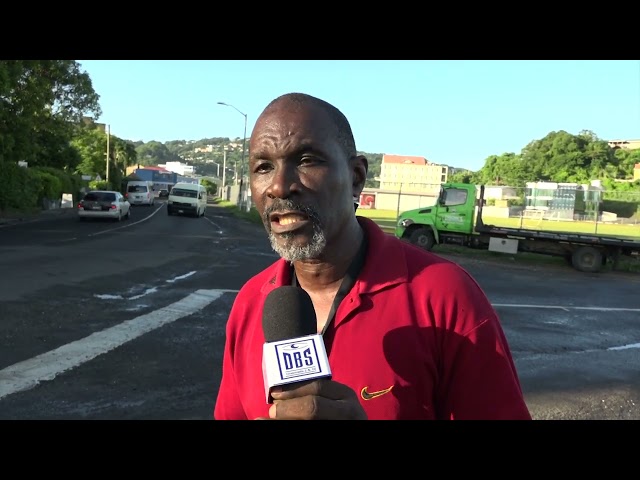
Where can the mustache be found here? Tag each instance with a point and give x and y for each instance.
(286, 204)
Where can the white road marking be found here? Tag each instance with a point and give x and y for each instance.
(29, 373)
(146, 292)
(625, 347)
(220, 231)
(128, 224)
(171, 280)
(567, 308)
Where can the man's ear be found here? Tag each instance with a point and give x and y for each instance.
(360, 167)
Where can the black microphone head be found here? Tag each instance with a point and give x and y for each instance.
(288, 313)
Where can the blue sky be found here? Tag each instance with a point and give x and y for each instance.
(454, 112)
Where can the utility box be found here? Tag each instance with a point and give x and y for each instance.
(503, 245)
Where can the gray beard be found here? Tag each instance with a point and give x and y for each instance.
(295, 253)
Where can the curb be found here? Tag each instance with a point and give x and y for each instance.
(32, 217)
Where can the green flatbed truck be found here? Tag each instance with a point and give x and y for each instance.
(456, 218)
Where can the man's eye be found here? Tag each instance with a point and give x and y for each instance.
(308, 160)
(262, 167)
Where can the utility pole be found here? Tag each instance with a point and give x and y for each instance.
(108, 135)
(224, 171)
(244, 147)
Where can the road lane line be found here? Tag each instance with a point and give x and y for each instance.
(29, 373)
(220, 230)
(128, 224)
(567, 308)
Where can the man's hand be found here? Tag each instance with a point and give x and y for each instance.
(316, 400)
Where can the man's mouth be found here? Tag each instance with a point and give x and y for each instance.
(284, 222)
(287, 218)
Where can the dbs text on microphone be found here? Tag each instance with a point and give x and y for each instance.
(293, 350)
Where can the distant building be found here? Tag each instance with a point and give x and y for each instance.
(499, 192)
(205, 149)
(411, 173)
(626, 144)
(564, 200)
(161, 178)
(636, 172)
(179, 168)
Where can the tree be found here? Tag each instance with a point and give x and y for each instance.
(40, 103)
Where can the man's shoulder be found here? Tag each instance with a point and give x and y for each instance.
(255, 284)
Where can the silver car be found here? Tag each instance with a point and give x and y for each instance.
(104, 204)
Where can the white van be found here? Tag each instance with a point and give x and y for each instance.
(187, 199)
(140, 192)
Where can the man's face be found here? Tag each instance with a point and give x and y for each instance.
(301, 180)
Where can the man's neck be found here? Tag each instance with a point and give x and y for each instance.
(326, 274)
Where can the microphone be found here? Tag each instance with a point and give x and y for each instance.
(293, 350)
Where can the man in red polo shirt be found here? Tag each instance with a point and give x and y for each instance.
(408, 334)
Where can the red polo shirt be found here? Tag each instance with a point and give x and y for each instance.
(415, 328)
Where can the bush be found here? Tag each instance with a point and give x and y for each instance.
(99, 185)
(20, 187)
(50, 186)
(25, 189)
(621, 208)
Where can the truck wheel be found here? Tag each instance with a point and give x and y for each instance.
(587, 259)
(423, 237)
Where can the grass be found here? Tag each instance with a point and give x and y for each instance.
(387, 219)
(252, 215)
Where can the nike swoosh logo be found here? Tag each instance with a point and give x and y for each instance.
(366, 395)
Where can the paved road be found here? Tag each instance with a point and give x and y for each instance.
(126, 320)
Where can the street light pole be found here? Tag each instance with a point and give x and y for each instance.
(108, 153)
(224, 171)
(244, 143)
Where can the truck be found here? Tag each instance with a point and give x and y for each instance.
(456, 218)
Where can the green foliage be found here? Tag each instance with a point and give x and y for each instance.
(20, 187)
(67, 182)
(50, 186)
(461, 176)
(374, 167)
(153, 153)
(560, 157)
(40, 102)
(211, 187)
(99, 185)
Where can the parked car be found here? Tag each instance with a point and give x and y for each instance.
(163, 193)
(104, 204)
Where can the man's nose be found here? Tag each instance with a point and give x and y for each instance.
(283, 183)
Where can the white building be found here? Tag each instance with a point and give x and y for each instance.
(179, 168)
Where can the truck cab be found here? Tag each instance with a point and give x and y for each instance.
(452, 215)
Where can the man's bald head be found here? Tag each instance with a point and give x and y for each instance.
(344, 135)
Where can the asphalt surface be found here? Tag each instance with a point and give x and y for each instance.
(106, 320)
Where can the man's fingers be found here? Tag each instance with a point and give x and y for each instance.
(319, 388)
(311, 408)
